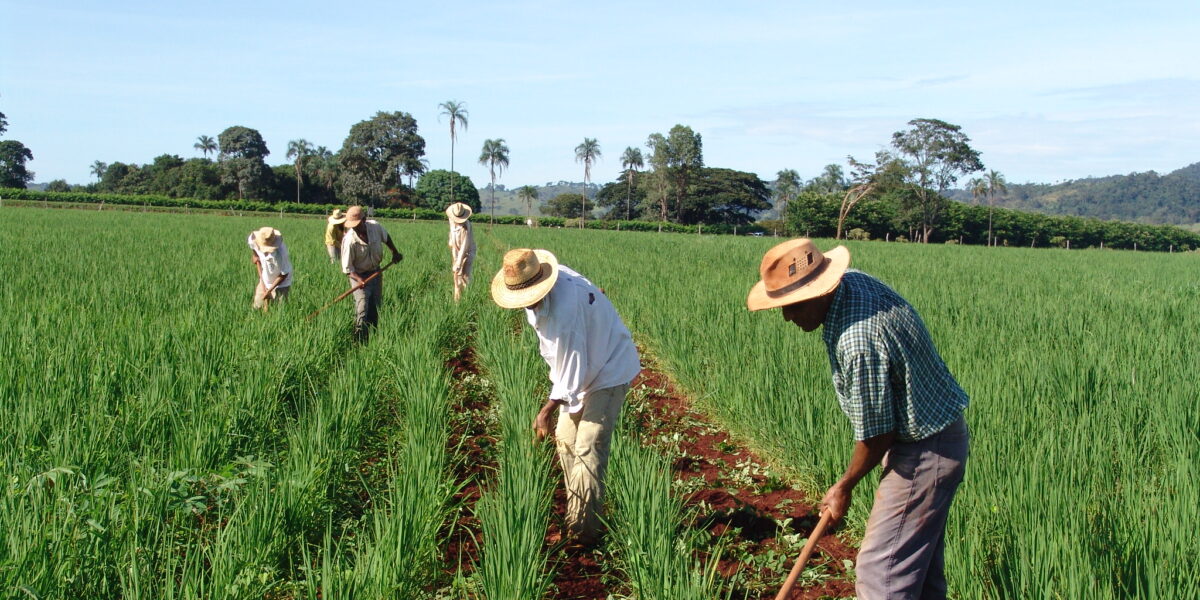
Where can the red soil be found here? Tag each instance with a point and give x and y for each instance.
(745, 514)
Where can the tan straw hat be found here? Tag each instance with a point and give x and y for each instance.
(458, 212)
(526, 278)
(354, 216)
(267, 239)
(337, 217)
(795, 271)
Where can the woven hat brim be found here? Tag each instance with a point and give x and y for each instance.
(522, 298)
(337, 221)
(457, 219)
(827, 281)
(262, 243)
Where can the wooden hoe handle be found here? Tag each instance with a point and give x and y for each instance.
(804, 554)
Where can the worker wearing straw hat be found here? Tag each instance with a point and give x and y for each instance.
(335, 229)
(592, 359)
(462, 246)
(270, 256)
(904, 406)
(362, 255)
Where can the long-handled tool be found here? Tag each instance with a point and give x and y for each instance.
(804, 554)
(351, 290)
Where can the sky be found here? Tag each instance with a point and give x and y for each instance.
(1046, 90)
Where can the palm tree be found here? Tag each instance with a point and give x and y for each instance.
(494, 154)
(457, 111)
(299, 149)
(528, 193)
(631, 161)
(98, 169)
(995, 184)
(205, 144)
(787, 185)
(586, 153)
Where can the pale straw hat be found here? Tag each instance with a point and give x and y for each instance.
(458, 212)
(267, 239)
(526, 277)
(795, 271)
(354, 216)
(337, 217)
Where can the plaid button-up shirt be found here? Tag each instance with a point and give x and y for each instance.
(887, 374)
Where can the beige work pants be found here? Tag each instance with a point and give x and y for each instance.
(260, 294)
(583, 440)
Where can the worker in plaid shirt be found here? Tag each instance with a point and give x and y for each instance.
(904, 406)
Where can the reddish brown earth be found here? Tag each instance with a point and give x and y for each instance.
(744, 514)
(471, 444)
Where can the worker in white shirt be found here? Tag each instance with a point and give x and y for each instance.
(462, 246)
(362, 253)
(270, 256)
(592, 360)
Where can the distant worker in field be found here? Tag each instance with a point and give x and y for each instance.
(592, 360)
(362, 254)
(270, 256)
(904, 406)
(462, 246)
(335, 229)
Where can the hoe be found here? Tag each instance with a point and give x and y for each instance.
(803, 559)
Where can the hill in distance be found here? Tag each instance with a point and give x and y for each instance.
(1171, 199)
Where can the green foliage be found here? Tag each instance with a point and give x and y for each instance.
(242, 160)
(434, 190)
(376, 153)
(13, 156)
(567, 206)
(1139, 197)
(58, 185)
(934, 154)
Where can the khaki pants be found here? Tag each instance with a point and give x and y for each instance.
(583, 440)
(260, 291)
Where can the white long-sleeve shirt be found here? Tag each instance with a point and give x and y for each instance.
(273, 264)
(462, 247)
(583, 340)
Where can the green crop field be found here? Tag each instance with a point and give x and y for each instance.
(163, 440)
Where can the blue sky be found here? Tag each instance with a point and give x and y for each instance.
(1046, 91)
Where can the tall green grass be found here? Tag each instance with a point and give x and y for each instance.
(1079, 365)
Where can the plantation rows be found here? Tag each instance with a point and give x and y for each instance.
(165, 441)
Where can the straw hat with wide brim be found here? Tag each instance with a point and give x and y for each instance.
(337, 217)
(354, 216)
(795, 271)
(526, 277)
(458, 212)
(267, 239)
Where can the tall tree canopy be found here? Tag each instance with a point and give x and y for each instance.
(434, 190)
(242, 154)
(456, 111)
(206, 145)
(299, 150)
(494, 155)
(375, 154)
(685, 155)
(631, 162)
(586, 153)
(13, 156)
(724, 196)
(935, 153)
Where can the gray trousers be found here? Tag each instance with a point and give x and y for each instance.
(366, 305)
(583, 441)
(902, 551)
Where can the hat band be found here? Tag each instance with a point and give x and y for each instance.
(532, 281)
(803, 281)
